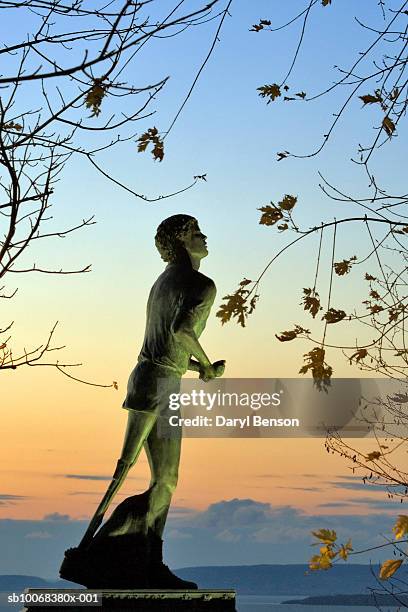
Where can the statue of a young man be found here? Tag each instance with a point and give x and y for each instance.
(177, 310)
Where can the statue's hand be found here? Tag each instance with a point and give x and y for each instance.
(219, 367)
(208, 373)
(214, 370)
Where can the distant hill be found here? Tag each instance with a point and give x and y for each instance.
(250, 579)
(286, 579)
(352, 600)
(17, 583)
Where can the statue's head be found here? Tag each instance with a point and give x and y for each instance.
(179, 235)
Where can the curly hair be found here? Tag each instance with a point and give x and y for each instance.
(168, 236)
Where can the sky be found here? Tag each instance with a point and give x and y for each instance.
(61, 439)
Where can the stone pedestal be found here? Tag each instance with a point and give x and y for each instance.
(144, 600)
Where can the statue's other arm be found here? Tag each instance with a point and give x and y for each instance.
(196, 308)
(219, 366)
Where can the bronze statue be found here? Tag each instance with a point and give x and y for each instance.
(126, 552)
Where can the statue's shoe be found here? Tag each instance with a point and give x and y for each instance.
(101, 572)
(161, 577)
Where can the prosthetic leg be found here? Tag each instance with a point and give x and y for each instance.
(121, 471)
(138, 428)
(116, 556)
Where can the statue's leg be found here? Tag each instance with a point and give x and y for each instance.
(138, 428)
(163, 454)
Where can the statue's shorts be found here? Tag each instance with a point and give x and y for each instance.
(150, 388)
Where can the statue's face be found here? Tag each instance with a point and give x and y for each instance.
(195, 242)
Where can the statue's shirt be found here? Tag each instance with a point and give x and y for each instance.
(180, 297)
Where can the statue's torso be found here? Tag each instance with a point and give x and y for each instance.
(180, 294)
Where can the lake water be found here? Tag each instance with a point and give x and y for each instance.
(246, 603)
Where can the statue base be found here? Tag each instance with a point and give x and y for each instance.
(144, 600)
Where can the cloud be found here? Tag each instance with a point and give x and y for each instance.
(86, 477)
(97, 493)
(228, 532)
(317, 489)
(228, 536)
(355, 483)
(378, 503)
(9, 500)
(176, 534)
(56, 516)
(181, 511)
(250, 531)
(334, 505)
(96, 477)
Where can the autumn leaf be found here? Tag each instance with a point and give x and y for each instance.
(286, 336)
(202, 177)
(373, 456)
(388, 125)
(327, 536)
(237, 305)
(158, 150)
(389, 568)
(301, 94)
(13, 126)
(359, 355)
(95, 96)
(115, 385)
(343, 267)
(269, 91)
(320, 562)
(283, 227)
(376, 308)
(260, 26)
(271, 214)
(288, 202)
(403, 230)
(344, 550)
(334, 316)
(370, 99)
(326, 2)
(311, 301)
(394, 94)
(401, 526)
(394, 313)
(282, 155)
(368, 277)
(374, 294)
(321, 371)
(151, 137)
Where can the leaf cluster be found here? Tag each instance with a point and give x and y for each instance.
(239, 304)
(343, 267)
(272, 213)
(257, 27)
(286, 336)
(94, 97)
(311, 301)
(329, 551)
(152, 137)
(316, 364)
